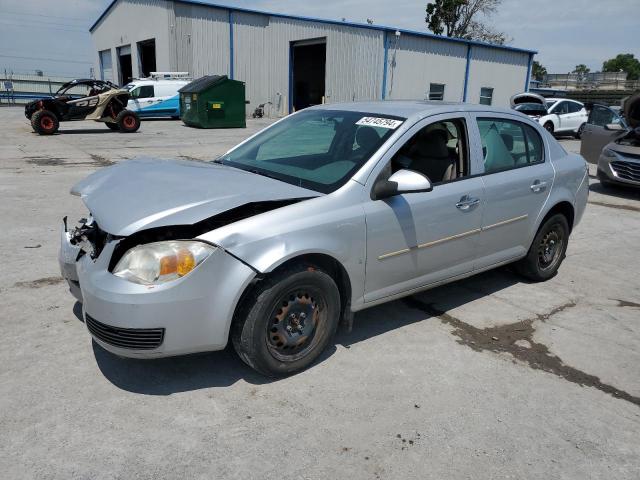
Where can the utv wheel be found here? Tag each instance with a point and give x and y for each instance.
(127, 121)
(547, 250)
(44, 122)
(112, 126)
(549, 127)
(578, 134)
(286, 322)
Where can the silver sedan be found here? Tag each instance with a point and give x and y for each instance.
(328, 211)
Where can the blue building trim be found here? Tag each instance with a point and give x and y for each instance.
(381, 28)
(466, 73)
(526, 80)
(231, 44)
(290, 77)
(386, 61)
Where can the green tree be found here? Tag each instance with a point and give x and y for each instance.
(538, 71)
(459, 18)
(623, 62)
(581, 69)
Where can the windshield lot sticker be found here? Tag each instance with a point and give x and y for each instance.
(379, 122)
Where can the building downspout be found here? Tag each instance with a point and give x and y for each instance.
(528, 79)
(231, 44)
(466, 73)
(384, 70)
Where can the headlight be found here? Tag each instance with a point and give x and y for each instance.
(608, 153)
(161, 262)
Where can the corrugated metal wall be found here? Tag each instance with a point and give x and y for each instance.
(502, 70)
(132, 21)
(200, 40)
(261, 58)
(415, 62)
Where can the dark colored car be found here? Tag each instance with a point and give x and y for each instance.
(83, 99)
(611, 139)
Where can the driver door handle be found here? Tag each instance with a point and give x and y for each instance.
(538, 186)
(467, 202)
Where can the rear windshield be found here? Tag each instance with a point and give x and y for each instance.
(315, 149)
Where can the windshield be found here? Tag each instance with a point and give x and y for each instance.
(551, 104)
(315, 149)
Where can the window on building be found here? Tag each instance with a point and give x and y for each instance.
(486, 96)
(106, 66)
(508, 144)
(436, 91)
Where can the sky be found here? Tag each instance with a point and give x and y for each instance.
(53, 35)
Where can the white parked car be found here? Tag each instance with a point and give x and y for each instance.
(563, 116)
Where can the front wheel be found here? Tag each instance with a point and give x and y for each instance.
(127, 121)
(44, 122)
(112, 126)
(287, 320)
(549, 127)
(547, 250)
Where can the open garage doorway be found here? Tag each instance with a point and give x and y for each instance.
(308, 67)
(147, 57)
(124, 64)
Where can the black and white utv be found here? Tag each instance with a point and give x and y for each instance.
(83, 99)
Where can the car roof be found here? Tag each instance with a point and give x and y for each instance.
(563, 99)
(409, 108)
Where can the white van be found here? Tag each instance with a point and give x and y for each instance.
(157, 96)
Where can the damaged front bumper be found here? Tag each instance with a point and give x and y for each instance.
(187, 315)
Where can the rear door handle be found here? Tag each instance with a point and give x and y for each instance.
(538, 186)
(467, 202)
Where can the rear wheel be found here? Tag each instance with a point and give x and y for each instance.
(127, 121)
(286, 322)
(547, 250)
(44, 122)
(578, 134)
(112, 126)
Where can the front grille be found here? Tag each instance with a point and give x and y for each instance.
(627, 170)
(134, 338)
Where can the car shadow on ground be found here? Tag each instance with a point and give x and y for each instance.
(618, 191)
(165, 376)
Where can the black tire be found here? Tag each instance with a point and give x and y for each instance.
(44, 122)
(128, 121)
(272, 331)
(547, 250)
(112, 126)
(578, 134)
(549, 127)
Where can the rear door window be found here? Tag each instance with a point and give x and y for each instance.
(508, 144)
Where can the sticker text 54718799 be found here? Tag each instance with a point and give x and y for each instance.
(379, 122)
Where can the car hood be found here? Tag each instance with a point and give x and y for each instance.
(631, 110)
(527, 97)
(147, 193)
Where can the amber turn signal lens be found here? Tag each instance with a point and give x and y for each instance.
(186, 262)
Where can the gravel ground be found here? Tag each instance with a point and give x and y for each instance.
(489, 377)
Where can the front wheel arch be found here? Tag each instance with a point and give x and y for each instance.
(324, 262)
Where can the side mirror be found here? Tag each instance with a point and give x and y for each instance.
(403, 181)
(613, 127)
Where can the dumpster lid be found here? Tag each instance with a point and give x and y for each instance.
(202, 83)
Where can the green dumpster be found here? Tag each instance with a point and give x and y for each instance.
(213, 101)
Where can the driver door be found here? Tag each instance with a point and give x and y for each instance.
(417, 239)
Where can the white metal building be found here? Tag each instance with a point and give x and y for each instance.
(294, 62)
